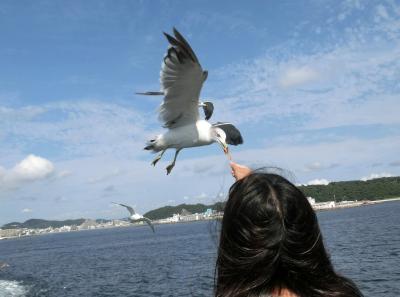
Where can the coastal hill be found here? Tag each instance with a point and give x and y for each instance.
(376, 189)
(42, 224)
(169, 211)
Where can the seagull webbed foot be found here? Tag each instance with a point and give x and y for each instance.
(169, 168)
(156, 160)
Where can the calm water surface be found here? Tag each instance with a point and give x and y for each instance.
(178, 260)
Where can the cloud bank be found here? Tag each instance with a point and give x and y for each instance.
(376, 175)
(317, 182)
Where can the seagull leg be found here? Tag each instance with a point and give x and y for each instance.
(158, 158)
(170, 166)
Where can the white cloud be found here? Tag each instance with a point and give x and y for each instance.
(23, 113)
(110, 188)
(101, 178)
(294, 77)
(352, 154)
(354, 90)
(351, 81)
(26, 210)
(30, 169)
(64, 173)
(382, 12)
(2, 173)
(82, 128)
(201, 196)
(394, 163)
(318, 181)
(315, 166)
(376, 175)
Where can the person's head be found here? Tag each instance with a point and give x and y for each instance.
(270, 239)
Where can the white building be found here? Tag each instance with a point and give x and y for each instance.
(311, 200)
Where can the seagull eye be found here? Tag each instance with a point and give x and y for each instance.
(218, 135)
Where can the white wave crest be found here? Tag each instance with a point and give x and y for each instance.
(12, 289)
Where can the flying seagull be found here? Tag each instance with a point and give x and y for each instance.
(135, 217)
(3, 265)
(181, 80)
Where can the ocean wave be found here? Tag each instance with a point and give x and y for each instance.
(11, 288)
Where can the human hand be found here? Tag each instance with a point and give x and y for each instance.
(239, 171)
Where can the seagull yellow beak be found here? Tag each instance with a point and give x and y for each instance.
(224, 146)
(226, 150)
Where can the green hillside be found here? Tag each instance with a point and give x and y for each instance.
(169, 211)
(42, 224)
(375, 189)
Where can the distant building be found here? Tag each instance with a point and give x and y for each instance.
(88, 224)
(185, 212)
(311, 200)
(324, 205)
(64, 229)
(119, 223)
(191, 217)
(321, 205)
(10, 232)
(175, 218)
(208, 212)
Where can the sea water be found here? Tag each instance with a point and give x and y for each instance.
(179, 259)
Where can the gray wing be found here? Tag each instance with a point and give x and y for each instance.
(148, 221)
(233, 135)
(129, 208)
(181, 81)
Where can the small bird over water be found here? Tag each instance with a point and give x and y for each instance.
(3, 265)
(135, 217)
(182, 78)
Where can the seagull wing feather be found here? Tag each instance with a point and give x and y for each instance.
(148, 221)
(181, 79)
(129, 208)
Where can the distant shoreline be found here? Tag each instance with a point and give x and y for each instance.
(349, 204)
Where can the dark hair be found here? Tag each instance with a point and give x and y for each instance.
(270, 239)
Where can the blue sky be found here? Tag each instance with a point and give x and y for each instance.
(313, 86)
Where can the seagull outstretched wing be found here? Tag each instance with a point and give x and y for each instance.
(181, 80)
(148, 221)
(129, 208)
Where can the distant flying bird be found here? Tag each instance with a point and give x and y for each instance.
(181, 80)
(135, 217)
(3, 265)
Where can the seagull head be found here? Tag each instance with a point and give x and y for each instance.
(219, 136)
